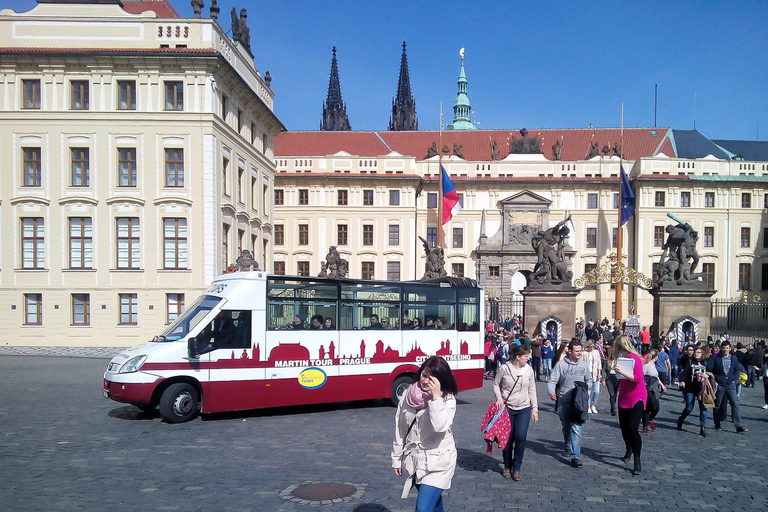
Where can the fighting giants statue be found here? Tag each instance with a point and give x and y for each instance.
(679, 258)
(552, 266)
(334, 265)
(435, 265)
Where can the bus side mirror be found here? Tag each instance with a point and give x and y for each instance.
(192, 348)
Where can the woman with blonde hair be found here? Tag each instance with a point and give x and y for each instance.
(592, 356)
(632, 397)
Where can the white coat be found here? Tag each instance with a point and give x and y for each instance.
(428, 454)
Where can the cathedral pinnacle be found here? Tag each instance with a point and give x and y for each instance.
(334, 110)
(403, 106)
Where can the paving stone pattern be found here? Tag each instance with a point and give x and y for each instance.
(65, 448)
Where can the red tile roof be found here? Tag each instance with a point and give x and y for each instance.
(638, 142)
(162, 8)
(667, 148)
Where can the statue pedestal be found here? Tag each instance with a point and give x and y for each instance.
(543, 302)
(675, 303)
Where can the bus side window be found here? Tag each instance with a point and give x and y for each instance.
(230, 329)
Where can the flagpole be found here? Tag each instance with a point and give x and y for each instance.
(620, 231)
(440, 182)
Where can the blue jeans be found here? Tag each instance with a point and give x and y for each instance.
(519, 422)
(690, 398)
(729, 393)
(546, 367)
(571, 430)
(594, 393)
(430, 499)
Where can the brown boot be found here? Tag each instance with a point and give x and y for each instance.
(506, 474)
(516, 476)
(703, 432)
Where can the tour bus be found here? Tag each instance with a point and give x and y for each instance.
(254, 340)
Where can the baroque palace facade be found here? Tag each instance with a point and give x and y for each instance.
(136, 161)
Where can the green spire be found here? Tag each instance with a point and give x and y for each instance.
(461, 107)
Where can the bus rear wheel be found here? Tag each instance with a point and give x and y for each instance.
(399, 387)
(179, 403)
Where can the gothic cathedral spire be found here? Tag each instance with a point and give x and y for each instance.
(334, 111)
(403, 106)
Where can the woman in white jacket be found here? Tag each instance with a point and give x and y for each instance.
(423, 448)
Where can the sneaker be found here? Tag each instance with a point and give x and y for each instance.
(645, 431)
(741, 429)
(765, 406)
(594, 409)
(652, 425)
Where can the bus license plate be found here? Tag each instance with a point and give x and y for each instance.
(104, 392)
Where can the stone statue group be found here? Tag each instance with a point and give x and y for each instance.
(551, 265)
(679, 258)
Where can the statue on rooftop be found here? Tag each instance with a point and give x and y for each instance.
(494, 150)
(525, 144)
(458, 150)
(593, 150)
(197, 7)
(557, 150)
(617, 149)
(431, 151)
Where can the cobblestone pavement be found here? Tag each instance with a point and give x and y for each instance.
(65, 448)
(107, 352)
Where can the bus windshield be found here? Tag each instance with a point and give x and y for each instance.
(189, 319)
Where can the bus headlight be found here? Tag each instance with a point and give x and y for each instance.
(133, 364)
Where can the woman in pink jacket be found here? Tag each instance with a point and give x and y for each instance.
(632, 397)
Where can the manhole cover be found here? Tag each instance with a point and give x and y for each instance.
(323, 493)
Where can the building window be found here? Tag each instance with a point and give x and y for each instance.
(616, 201)
(279, 197)
(224, 107)
(746, 236)
(709, 199)
(279, 234)
(461, 200)
(32, 243)
(589, 267)
(457, 269)
(240, 241)
(658, 236)
(79, 95)
(615, 238)
(127, 167)
(342, 234)
(764, 280)
(303, 268)
(174, 167)
(367, 197)
(432, 200)
(765, 201)
(367, 234)
(432, 237)
(366, 272)
(394, 198)
(745, 276)
(128, 243)
(303, 197)
(31, 90)
(81, 309)
(241, 185)
(174, 96)
(225, 244)
(393, 271)
(80, 242)
(279, 268)
(591, 238)
(685, 199)
(126, 95)
(660, 199)
(746, 200)
(765, 238)
(80, 167)
(33, 309)
(592, 201)
(224, 174)
(494, 271)
(708, 269)
(239, 121)
(129, 309)
(33, 167)
(709, 236)
(394, 234)
(303, 234)
(343, 197)
(254, 192)
(174, 306)
(458, 238)
(175, 243)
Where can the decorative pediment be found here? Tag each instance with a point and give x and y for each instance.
(525, 200)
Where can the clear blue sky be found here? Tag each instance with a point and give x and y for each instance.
(529, 64)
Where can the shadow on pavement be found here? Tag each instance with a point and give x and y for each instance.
(370, 507)
(471, 460)
(129, 412)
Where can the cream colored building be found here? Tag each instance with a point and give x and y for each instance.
(136, 161)
(373, 193)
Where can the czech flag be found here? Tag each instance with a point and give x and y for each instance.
(451, 204)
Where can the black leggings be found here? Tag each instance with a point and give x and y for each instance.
(629, 421)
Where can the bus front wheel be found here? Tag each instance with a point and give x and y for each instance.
(399, 387)
(179, 403)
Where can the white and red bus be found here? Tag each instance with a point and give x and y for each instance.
(254, 340)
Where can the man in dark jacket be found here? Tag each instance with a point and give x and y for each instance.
(726, 368)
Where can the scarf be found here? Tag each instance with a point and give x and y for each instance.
(416, 397)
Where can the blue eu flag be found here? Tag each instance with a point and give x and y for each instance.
(627, 198)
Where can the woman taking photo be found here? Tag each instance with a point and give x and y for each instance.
(423, 448)
(632, 398)
(691, 386)
(515, 388)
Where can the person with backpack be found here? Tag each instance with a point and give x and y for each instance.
(502, 353)
(561, 387)
(632, 399)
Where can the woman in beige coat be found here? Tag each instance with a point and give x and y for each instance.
(423, 448)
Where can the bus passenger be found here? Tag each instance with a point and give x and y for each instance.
(385, 324)
(298, 322)
(328, 325)
(375, 324)
(316, 323)
(430, 322)
(406, 324)
(416, 323)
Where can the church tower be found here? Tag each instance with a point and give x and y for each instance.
(403, 106)
(334, 111)
(461, 106)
